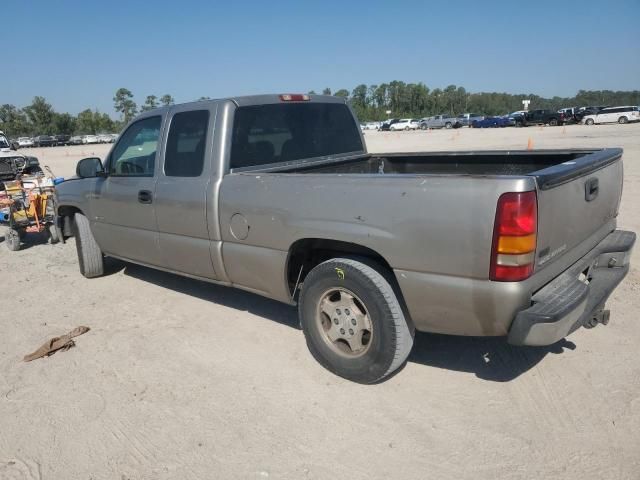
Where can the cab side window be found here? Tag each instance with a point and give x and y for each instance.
(186, 143)
(135, 153)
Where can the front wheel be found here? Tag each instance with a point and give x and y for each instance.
(553, 122)
(353, 322)
(622, 120)
(447, 125)
(90, 256)
(589, 121)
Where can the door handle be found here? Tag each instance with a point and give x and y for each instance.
(145, 196)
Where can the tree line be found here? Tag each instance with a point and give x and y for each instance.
(416, 100)
(39, 118)
(369, 102)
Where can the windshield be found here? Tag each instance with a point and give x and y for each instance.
(4, 143)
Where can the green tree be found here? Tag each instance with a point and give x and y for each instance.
(13, 121)
(86, 122)
(150, 103)
(326, 91)
(64, 123)
(360, 102)
(104, 122)
(341, 93)
(40, 115)
(92, 122)
(166, 100)
(312, 92)
(124, 104)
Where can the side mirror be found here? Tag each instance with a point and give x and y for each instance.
(90, 168)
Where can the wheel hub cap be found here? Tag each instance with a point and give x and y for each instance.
(345, 322)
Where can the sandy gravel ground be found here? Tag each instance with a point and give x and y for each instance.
(179, 379)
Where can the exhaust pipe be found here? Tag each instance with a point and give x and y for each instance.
(600, 316)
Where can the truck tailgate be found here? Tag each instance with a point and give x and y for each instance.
(576, 199)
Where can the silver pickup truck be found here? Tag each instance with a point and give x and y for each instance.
(438, 121)
(277, 195)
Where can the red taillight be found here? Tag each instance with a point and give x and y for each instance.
(294, 97)
(514, 237)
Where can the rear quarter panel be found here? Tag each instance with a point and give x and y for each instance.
(441, 225)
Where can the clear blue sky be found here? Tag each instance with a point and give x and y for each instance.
(77, 53)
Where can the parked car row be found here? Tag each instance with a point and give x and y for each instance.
(587, 115)
(59, 140)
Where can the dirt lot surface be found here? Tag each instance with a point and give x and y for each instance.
(179, 379)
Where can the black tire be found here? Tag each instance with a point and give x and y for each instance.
(589, 121)
(553, 122)
(406, 129)
(12, 239)
(623, 120)
(447, 125)
(90, 256)
(391, 336)
(55, 235)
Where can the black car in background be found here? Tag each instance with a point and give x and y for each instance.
(540, 117)
(387, 125)
(62, 139)
(44, 141)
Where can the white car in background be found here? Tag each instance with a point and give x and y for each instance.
(105, 138)
(372, 126)
(24, 142)
(623, 114)
(405, 124)
(90, 139)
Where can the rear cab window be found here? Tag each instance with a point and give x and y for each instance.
(184, 156)
(283, 132)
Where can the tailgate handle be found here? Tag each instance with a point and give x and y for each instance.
(591, 189)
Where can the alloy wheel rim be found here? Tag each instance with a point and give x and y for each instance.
(344, 322)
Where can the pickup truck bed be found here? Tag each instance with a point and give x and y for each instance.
(482, 163)
(440, 208)
(287, 203)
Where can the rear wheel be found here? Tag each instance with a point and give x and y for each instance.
(553, 122)
(406, 129)
(623, 120)
(447, 125)
(589, 121)
(90, 256)
(353, 322)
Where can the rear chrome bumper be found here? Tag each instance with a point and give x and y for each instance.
(577, 296)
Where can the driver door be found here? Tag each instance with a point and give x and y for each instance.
(124, 219)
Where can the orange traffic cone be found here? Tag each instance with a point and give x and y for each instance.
(530, 144)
